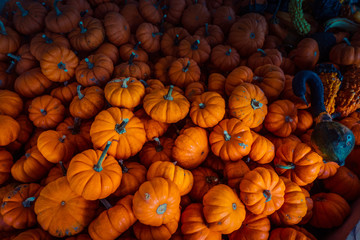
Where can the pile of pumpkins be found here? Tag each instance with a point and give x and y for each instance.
(157, 120)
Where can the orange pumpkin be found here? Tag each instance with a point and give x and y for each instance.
(216, 83)
(305, 121)
(135, 69)
(234, 172)
(306, 54)
(171, 39)
(204, 179)
(6, 163)
(328, 169)
(152, 127)
(9, 133)
(65, 93)
(24, 59)
(194, 16)
(194, 89)
(157, 150)
(43, 42)
(184, 71)
(109, 50)
(149, 36)
(62, 19)
(194, 47)
(32, 83)
(10, 103)
(225, 58)
(262, 57)
(162, 67)
(212, 33)
(125, 51)
(224, 16)
(237, 76)
(231, 140)
(288, 233)
(345, 53)
(353, 123)
(117, 29)
(262, 150)
(254, 227)
(9, 39)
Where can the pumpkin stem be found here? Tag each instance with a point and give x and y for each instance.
(161, 209)
(228, 52)
(76, 127)
(120, 128)
(78, 89)
(82, 13)
(201, 105)
(83, 29)
(207, 29)
(62, 139)
(98, 166)
(58, 12)
(288, 119)
(267, 195)
(11, 66)
(158, 147)
(263, 53)
(124, 82)
(252, 35)
(63, 169)
(195, 45)
(28, 201)
(2, 28)
(289, 166)
(47, 39)
(123, 167)
(62, 66)
(168, 95)
(144, 83)
(258, 79)
(131, 59)
(347, 41)
(136, 47)
(155, 34)
(27, 155)
(90, 64)
(43, 112)
(23, 11)
(106, 203)
(186, 68)
(256, 104)
(227, 136)
(176, 40)
(212, 179)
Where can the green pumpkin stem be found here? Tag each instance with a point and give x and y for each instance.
(347, 41)
(212, 179)
(98, 166)
(27, 202)
(157, 33)
(78, 89)
(62, 139)
(58, 12)
(176, 40)
(158, 147)
(47, 39)
(227, 136)
(2, 28)
(83, 29)
(207, 29)
(267, 195)
(289, 166)
(256, 104)
(11, 66)
(124, 82)
(186, 68)
(201, 105)
(23, 11)
(27, 155)
(195, 45)
(63, 169)
(131, 59)
(120, 128)
(263, 53)
(168, 95)
(136, 47)
(43, 112)
(90, 64)
(62, 66)
(106, 203)
(228, 52)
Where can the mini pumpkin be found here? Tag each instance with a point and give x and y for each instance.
(234, 172)
(109, 50)
(125, 51)
(194, 47)
(195, 16)
(151, 11)
(328, 169)
(30, 18)
(9, 39)
(10, 103)
(152, 127)
(262, 150)
(135, 69)
(216, 83)
(162, 67)
(117, 28)
(42, 42)
(184, 71)
(32, 83)
(157, 150)
(345, 53)
(211, 33)
(6, 163)
(237, 76)
(62, 19)
(306, 54)
(24, 59)
(353, 123)
(204, 179)
(65, 93)
(149, 36)
(255, 226)
(171, 39)
(262, 57)
(224, 57)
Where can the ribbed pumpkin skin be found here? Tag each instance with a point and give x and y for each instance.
(253, 227)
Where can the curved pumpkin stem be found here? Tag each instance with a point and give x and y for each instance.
(207, 29)
(227, 136)
(346, 40)
(124, 82)
(195, 45)
(82, 13)
(267, 195)
(158, 147)
(62, 66)
(63, 169)
(83, 29)
(15, 57)
(62, 139)
(263, 53)
(106, 203)
(47, 39)
(136, 47)
(58, 12)
(98, 166)
(228, 52)
(186, 68)
(23, 11)
(146, 85)
(289, 166)
(90, 64)
(11, 66)
(168, 95)
(2, 28)
(120, 128)
(28, 202)
(131, 59)
(78, 89)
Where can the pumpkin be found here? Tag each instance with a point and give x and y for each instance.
(32, 142)
(24, 59)
(135, 69)
(350, 184)
(329, 211)
(55, 172)
(237, 76)
(306, 54)
(65, 93)
(224, 17)
(211, 33)
(353, 123)
(175, 9)
(109, 50)
(288, 94)
(9, 133)
(194, 47)
(120, 126)
(297, 162)
(224, 57)
(328, 169)
(248, 33)
(270, 79)
(184, 71)
(152, 84)
(41, 43)
(7, 76)
(204, 179)
(216, 83)
(32, 83)
(214, 162)
(171, 39)
(10, 103)
(231, 140)
(117, 29)
(166, 105)
(31, 167)
(133, 175)
(114, 221)
(35, 233)
(194, 89)
(262, 150)
(262, 57)
(207, 109)
(262, 191)
(103, 8)
(310, 205)
(194, 225)
(87, 103)
(162, 67)
(287, 233)
(223, 210)
(55, 146)
(151, 11)
(305, 121)
(288, 66)
(248, 103)
(254, 227)
(345, 53)
(234, 172)
(130, 12)
(62, 19)
(26, 128)
(169, 170)
(149, 36)
(9, 39)
(282, 118)
(124, 92)
(191, 147)
(125, 51)
(152, 127)
(82, 5)
(294, 207)
(195, 16)
(156, 202)
(94, 175)
(157, 150)
(6, 163)
(17, 206)
(57, 200)
(30, 18)
(58, 64)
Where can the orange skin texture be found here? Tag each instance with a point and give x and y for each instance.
(161, 68)
(27, 60)
(287, 233)
(181, 78)
(224, 57)
(204, 180)
(215, 34)
(234, 172)
(195, 16)
(254, 227)
(33, 22)
(32, 83)
(168, 45)
(152, 127)
(10, 103)
(26, 129)
(10, 42)
(353, 123)
(65, 22)
(149, 12)
(136, 69)
(216, 83)
(125, 51)
(11, 132)
(328, 169)
(194, 89)
(154, 84)
(262, 150)
(6, 162)
(39, 45)
(200, 55)
(344, 54)
(237, 76)
(153, 151)
(109, 50)
(37, 233)
(271, 56)
(117, 28)
(306, 54)
(145, 34)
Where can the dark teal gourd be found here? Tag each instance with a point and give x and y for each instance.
(331, 140)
